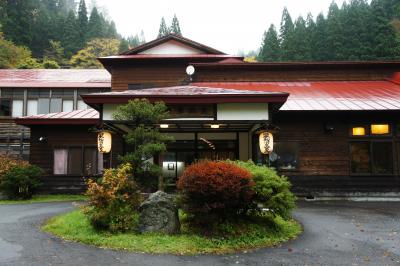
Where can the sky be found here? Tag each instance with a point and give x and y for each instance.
(231, 26)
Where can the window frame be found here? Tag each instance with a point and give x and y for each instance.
(10, 106)
(370, 142)
(298, 158)
(82, 148)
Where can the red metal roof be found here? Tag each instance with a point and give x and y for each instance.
(327, 95)
(187, 94)
(55, 78)
(82, 117)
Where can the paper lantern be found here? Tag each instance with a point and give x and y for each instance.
(380, 129)
(358, 131)
(266, 141)
(104, 140)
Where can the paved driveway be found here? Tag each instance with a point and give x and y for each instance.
(335, 233)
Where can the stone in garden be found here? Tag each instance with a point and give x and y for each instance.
(159, 214)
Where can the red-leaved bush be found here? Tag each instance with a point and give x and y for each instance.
(212, 191)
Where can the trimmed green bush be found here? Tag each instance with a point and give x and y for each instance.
(272, 191)
(21, 182)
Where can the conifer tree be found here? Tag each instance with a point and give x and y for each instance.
(335, 40)
(300, 44)
(163, 31)
(319, 40)
(270, 49)
(82, 21)
(95, 28)
(286, 36)
(71, 38)
(175, 28)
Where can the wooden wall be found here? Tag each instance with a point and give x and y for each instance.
(41, 154)
(324, 159)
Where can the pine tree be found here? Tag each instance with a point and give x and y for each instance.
(95, 28)
(385, 45)
(286, 36)
(335, 40)
(163, 31)
(175, 28)
(319, 40)
(82, 22)
(71, 38)
(270, 49)
(311, 29)
(300, 42)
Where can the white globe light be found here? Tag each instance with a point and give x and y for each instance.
(190, 70)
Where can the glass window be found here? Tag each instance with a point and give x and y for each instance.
(360, 157)
(32, 107)
(60, 161)
(55, 105)
(82, 105)
(5, 107)
(17, 108)
(69, 161)
(75, 161)
(284, 156)
(38, 93)
(13, 93)
(382, 155)
(68, 105)
(62, 93)
(43, 105)
(371, 157)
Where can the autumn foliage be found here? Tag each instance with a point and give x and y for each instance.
(7, 162)
(215, 190)
(114, 200)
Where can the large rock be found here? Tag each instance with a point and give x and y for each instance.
(159, 214)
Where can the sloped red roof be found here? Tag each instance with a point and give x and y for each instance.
(187, 94)
(55, 78)
(83, 117)
(326, 95)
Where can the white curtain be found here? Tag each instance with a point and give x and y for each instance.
(60, 161)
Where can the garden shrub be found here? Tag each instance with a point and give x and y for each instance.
(21, 181)
(271, 190)
(7, 162)
(214, 191)
(114, 200)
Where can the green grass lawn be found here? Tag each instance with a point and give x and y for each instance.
(46, 198)
(76, 227)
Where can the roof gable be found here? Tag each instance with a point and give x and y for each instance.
(172, 44)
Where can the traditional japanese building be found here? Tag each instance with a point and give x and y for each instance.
(335, 124)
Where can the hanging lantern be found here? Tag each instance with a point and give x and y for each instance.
(266, 141)
(104, 140)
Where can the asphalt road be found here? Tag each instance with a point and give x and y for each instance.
(335, 233)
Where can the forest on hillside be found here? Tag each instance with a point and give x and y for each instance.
(358, 30)
(72, 34)
(57, 33)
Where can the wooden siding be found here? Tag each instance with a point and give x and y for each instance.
(14, 139)
(259, 75)
(161, 75)
(324, 159)
(41, 154)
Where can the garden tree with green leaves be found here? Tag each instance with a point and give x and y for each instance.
(163, 30)
(145, 140)
(270, 48)
(87, 57)
(175, 28)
